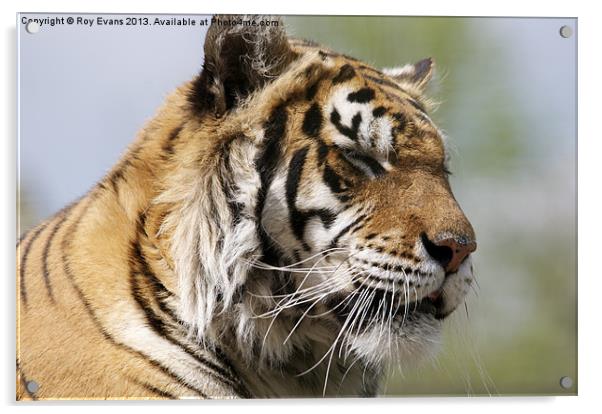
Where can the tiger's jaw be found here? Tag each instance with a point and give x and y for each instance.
(396, 313)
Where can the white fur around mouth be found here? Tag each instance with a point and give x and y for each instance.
(378, 304)
(407, 286)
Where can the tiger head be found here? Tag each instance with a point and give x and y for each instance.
(320, 210)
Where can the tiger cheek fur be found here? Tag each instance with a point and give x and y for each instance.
(283, 227)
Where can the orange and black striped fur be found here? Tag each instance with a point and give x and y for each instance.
(284, 226)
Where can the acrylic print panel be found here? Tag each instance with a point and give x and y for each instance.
(215, 208)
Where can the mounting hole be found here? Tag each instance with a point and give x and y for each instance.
(566, 31)
(32, 27)
(566, 382)
(32, 386)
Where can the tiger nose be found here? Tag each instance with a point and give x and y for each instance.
(449, 252)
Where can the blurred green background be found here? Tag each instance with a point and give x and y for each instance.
(507, 88)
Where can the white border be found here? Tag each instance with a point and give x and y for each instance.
(589, 179)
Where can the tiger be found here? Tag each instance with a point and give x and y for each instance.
(283, 227)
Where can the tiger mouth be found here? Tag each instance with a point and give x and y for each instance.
(383, 305)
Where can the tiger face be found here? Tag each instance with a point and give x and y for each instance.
(341, 221)
(361, 198)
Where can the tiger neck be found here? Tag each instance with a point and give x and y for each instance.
(265, 366)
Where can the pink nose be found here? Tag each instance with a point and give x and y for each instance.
(450, 252)
(459, 252)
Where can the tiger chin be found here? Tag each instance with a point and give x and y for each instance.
(284, 226)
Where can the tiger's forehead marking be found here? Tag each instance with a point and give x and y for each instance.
(356, 106)
(373, 116)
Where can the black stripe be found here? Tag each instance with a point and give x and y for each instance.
(384, 82)
(393, 97)
(370, 69)
(345, 73)
(96, 321)
(354, 168)
(266, 162)
(363, 95)
(322, 152)
(295, 169)
(311, 71)
(401, 123)
(312, 121)
(118, 174)
(345, 230)
(388, 266)
(375, 167)
(350, 133)
(154, 322)
(333, 180)
(171, 139)
(102, 186)
(337, 184)
(139, 266)
(215, 213)
(223, 358)
(298, 219)
(312, 90)
(153, 389)
(358, 226)
(24, 257)
(379, 111)
(199, 97)
(160, 292)
(228, 186)
(45, 270)
(314, 79)
(417, 105)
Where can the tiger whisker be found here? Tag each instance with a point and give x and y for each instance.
(390, 318)
(309, 272)
(330, 310)
(347, 371)
(280, 309)
(299, 297)
(310, 307)
(363, 306)
(363, 301)
(324, 253)
(332, 347)
(307, 297)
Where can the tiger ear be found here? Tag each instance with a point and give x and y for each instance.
(239, 59)
(416, 76)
